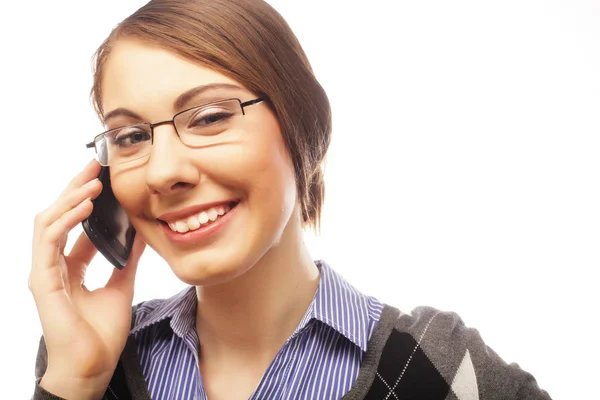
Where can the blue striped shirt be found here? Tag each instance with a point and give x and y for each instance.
(320, 360)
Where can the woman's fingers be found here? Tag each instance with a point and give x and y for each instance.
(89, 172)
(66, 202)
(78, 259)
(124, 279)
(85, 183)
(83, 250)
(52, 226)
(55, 233)
(46, 276)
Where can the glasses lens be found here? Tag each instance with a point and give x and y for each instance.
(125, 144)
(207, 124)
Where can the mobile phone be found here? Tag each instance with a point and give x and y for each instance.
(108, 227)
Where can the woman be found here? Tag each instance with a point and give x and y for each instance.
(216, 132)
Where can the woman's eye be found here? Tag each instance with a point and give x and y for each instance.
(131, 138)
(206, 119)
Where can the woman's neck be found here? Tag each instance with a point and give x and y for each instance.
(253, 315)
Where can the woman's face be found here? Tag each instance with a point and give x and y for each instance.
(178, 187)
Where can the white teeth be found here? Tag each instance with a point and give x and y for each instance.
(203, 217)
(182, 227)
(196, 221)
(193, 223)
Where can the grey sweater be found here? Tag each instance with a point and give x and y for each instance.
(428, 354)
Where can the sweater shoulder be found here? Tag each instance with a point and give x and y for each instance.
(437, 344)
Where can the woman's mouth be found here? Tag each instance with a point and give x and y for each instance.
(200, 228)
(202, 219)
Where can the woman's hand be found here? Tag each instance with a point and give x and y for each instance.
(85, 332)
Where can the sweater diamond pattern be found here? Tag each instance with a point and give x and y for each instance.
(405, 372)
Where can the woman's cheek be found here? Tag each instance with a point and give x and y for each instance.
(130, 191)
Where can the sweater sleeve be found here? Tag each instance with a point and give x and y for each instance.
(471, 368)
(41, 363)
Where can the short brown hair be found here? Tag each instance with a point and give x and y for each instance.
(250, 42)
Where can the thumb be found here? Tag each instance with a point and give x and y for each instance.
(124, 279)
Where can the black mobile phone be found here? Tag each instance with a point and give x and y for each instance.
(108, 227)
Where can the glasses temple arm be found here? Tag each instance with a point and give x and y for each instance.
(249, 103)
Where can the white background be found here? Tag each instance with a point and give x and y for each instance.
(463, 172)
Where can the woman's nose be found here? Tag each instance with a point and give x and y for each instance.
(169, 169)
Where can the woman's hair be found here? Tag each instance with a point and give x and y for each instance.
(250, 42)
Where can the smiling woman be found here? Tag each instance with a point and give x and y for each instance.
(216, 134)
(238, 159)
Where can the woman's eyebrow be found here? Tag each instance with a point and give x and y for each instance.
(181, 101)
(121, 112)
(184, 98)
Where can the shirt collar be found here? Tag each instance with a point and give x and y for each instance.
(336, 303)
(342, 307)
(179, 309)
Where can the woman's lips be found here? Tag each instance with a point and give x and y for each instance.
(191, 210)
(201, 234)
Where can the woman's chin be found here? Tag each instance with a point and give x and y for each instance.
(201, 272)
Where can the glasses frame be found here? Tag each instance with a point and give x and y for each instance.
(171, 121)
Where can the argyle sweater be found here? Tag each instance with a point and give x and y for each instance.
(428, 354)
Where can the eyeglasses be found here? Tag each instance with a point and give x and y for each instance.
(196, 127)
